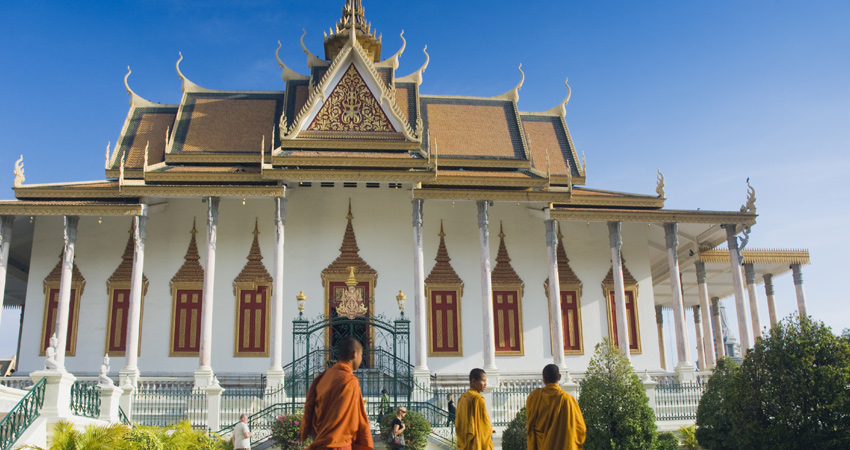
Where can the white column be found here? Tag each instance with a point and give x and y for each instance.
(274, 375)
(718, 327)
(556, 320)
(771, 299)
(738, 286)
(133, 324)
(683, 351)
(615, 240)
(5, 242)
(420, 309)
(659, 325)
(64, 308)
(801, 294)
(204, 374)
(755, 314)
(707, 343)
(486, 287)
(700, 347)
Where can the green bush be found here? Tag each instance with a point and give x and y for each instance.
(416, 431)
(791, 391)
(286, 432)
(714, 420)
(514, 436)
(114, 436)
(614, 404)
(667, 441)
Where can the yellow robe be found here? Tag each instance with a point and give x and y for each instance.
(554, 420)
(335, 413)
(472, 423)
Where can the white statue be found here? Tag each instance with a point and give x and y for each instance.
(50, 362)
(103, 379)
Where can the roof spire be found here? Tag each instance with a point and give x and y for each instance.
(353, 18)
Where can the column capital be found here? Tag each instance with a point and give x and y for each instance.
(551, 232)
(797, 273)
(700, 266)
(671, 235)
(696, 314)
(140, 230)
(280, 210)
(731, 235)
(418, 204)
(659, 314)
(615, 237)
(768, 283)
(71, 223)
(6, 228)
(750, 273)
(483, 213)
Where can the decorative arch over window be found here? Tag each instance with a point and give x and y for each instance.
(51, 306)
(444, 290)
(631, 287)
(507, 303)
(252, 288)
(570, 289)
(118, 291)
(187, 296)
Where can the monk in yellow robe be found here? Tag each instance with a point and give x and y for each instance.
(334, 413)
(472, 423)
(554, 420)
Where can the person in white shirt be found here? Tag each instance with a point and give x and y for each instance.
(241, 434)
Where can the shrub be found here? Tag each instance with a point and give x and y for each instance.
(667, 441)
(514, 436)
(286, 432)
(714, 421)
(689, 437)
(791, 391)
(614, 403)
(114, 436)
(416, 431)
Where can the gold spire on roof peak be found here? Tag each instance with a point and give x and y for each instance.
(353, 18)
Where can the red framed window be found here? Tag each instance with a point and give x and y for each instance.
(508, 323)
(631, 317)
(186, 335)
(50, 321)
(445, 322)
(252, 329)
(116, 333)
(571, 321)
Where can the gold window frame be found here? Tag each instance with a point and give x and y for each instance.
(458, 290)
(518, 288)
(567, 288)
(238, 288)
(607, 290)
(111, 287)
(175, 288)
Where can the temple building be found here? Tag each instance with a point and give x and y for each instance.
(350, 193)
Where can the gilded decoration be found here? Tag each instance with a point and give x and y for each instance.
(571, 285)
(507, 303)
(252, 288)
(630, 286)
(444, 291)
(51, 306)
(351, 107)
(350, 300)
(187, 288)
(758, 256)
(119, 285)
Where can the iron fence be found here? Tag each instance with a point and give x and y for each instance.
(677, 401)
(164, 402)
(85, 399)
(261, 421)
(509, 399)
(21, 416)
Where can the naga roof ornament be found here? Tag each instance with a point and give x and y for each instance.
(135, 99)
(416, 77)
(750, 206)
(19, 171)
(513, 94)
(288, 74)
(659, 188)
(312, 60)
(561, 108)
(392, 61)
(188, 85)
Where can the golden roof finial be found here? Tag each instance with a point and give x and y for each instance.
(256, 227)
(351, 281)
(501, 230)
(194, 230)
(442, 234)
(349, 216)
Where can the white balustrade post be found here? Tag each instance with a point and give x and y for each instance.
(659, 326)
(64, 308)
(556, 320)
(57, 393)
(5, 242)
(204, 373)
(755, 313)
(214, 392)
(110, 400)
(615, 240)
(684, 366)
(738, 286)
(707, 342)
(649, 386)
(275, 375)
(718, 327)
(134, 323)
(801, 293)
(486, 289)
(420, 308)
(771, 299)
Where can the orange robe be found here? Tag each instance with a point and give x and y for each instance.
(554, 420)
(334, 412)
(472, 423)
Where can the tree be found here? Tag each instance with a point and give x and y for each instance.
(791, 392)
(614, 403)
(714, 422)
(514, 436)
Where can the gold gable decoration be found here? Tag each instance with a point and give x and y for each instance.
(254, 271)
(349, 255)
(504, 273)
(443, 273)
(191, 270)
(351, 108)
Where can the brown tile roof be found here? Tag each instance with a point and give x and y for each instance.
(341, 154)
(401, 94)
(301, 94)
(227, 123)
(210, 169)
(543, 136)
(473, 128)
(151, 129)
(481, 173)
(586, 192)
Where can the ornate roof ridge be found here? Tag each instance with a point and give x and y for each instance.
(349, 253)
(191, 271)
(504, 273)
(628, 279)
(443, 272)
(124, 271)
(254, 269)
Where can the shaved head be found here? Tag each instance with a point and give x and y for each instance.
(475, 374)
(551, 374)
(348, 347)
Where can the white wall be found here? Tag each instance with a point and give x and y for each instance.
(314, 229)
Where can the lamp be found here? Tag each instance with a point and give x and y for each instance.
(301, 298)
(400, 299)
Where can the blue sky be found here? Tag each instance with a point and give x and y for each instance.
(710, 92)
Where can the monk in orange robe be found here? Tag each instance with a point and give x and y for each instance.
(472, 423)
(554, 420)
(334, 414)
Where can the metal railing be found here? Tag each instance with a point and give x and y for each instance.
(164, 401)
(249, 400)
(677, 401)
(260, 423)
(85, 399)
(21, 416)
(509, 399)
(123, 418)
